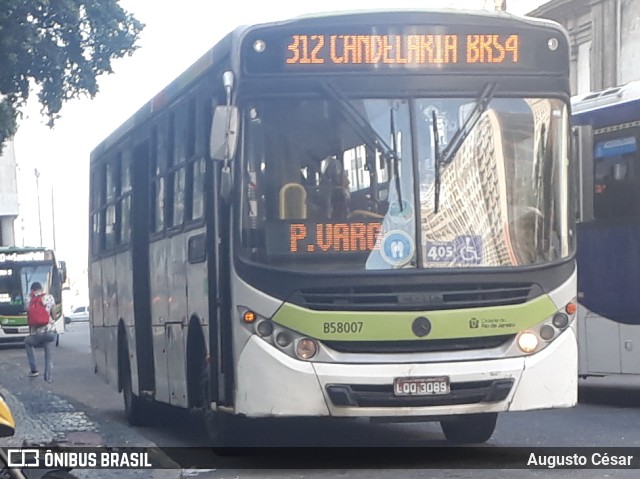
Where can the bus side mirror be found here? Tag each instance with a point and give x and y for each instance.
(224, 130)
(63, 271)
(582, 147)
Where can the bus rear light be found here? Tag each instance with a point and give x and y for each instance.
(306, 348)
(527, 342)
(249, 317)
(560, 320)
(571, 308)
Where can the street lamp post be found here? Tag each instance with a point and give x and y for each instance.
(53, 219)
(37, 173)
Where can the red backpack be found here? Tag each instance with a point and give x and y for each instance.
(37, 314)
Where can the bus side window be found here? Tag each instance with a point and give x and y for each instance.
(615, 187)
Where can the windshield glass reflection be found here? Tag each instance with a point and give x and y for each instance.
(320, 190)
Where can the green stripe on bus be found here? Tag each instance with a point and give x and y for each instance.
(397, 325)
(13, 320)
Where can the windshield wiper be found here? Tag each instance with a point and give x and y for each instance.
(436, 154)
(396, 160)
(482, 102)
(368, 134)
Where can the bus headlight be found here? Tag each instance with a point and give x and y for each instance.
(265, 328)
(290, 342)
(527, 342)
(547, 332)
(306, 348)
(283, 340)
(560, 320)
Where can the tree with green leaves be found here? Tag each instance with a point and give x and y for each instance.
(57, 48)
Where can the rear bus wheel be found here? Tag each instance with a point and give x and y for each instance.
(469, 428)
(137, 411)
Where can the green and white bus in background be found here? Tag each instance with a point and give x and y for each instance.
(19, 268)
(349, 215)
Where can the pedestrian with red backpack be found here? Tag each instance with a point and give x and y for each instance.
(40, 314)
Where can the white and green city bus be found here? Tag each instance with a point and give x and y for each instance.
(20, 267)
(350, 215)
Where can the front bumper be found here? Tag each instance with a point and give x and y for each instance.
(270, 383)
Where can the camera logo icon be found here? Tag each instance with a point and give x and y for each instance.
(23, 457)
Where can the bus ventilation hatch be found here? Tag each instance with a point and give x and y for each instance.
(420, 346)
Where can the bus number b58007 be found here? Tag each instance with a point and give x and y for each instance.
(340, 327)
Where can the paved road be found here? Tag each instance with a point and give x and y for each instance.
(78, 407)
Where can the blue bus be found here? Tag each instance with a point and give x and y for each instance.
(608, 254)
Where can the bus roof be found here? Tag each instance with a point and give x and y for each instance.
(611, 106)
(220, 51)
(22, 249)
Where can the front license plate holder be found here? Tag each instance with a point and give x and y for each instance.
(422, 386)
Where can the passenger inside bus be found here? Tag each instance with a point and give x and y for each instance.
(333, 191)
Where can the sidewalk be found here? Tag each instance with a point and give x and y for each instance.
(52, 418)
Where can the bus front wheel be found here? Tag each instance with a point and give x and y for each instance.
(220, 428)
(469, 428)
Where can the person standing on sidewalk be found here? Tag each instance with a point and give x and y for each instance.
(42, 332)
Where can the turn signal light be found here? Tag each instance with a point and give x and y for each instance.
(571, 308)
(249, 317)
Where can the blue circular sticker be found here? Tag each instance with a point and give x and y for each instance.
(397, 248)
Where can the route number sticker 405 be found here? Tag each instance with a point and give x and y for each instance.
(465, 249)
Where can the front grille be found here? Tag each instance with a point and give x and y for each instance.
(422, 346)
(369, 395)
(413, 297)
(11, 331)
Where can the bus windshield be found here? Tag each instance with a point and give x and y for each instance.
(318, 190)
(31, 274)
(10, 290)
(15, 282)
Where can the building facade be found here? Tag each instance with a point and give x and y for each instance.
(605, 40)
(8, 195)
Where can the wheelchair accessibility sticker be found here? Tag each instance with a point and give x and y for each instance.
(397, 248)
(466, 249)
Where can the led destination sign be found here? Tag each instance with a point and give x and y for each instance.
(407, 50)
(317, 238)
(433, 49)
(24, 256)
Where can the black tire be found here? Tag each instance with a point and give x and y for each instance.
(198, 381)
(222, 429)
(60, 474)
(137, 411)
(469, 428)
